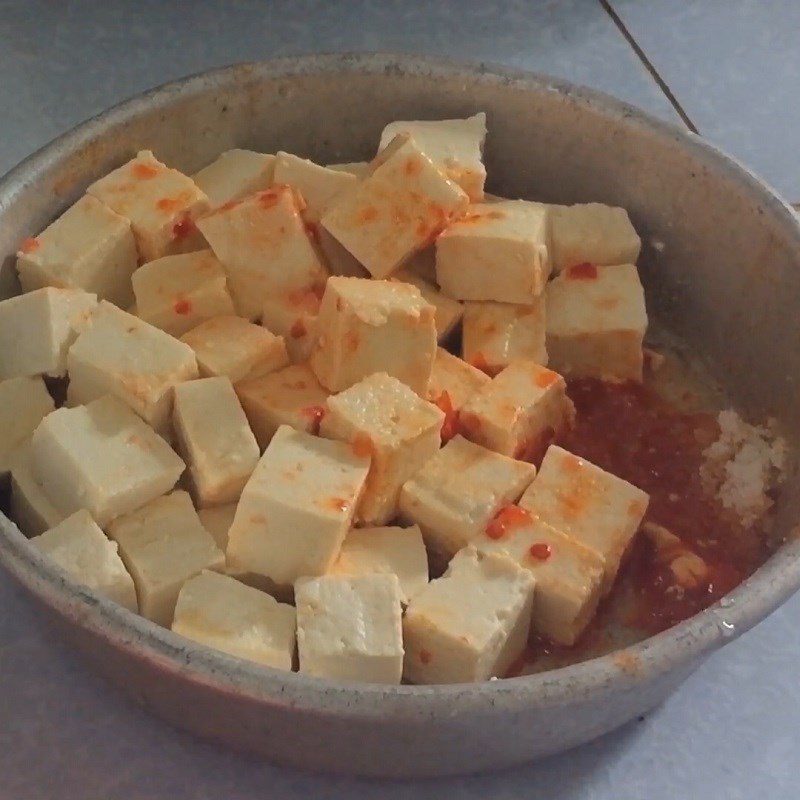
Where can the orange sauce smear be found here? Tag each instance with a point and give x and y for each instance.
(630, 431)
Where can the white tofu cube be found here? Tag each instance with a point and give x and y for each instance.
(215, 440)
(37, 329)
(296, 508)
(263, 244)
(454, 145)
(471, 624)
(88, 247)
(369, 326)
(294, 317)
(349, 628)
(291, 396)
(236, 348)
(163, 544)
(121, 355)
(596, 321)
(177, 293)
(568, 575)
(235, 174)
(456, 377)
(31, 507)
(218, 611)
(495, 334)
(519, 412)
(498, 251)
(320, 188)
(399, 208)
(448, 312)
(457, 493)
(103, 458)
(217, 520)
(385, 419)
(24, 403)
(593, 233)
(80, 548)
(591, 506)
(386, 551)
(357, 168)
(162, 204)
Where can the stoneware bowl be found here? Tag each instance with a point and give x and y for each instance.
(720, 266)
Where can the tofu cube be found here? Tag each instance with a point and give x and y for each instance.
(103, 458)
(471, 624)
(593, 233)
(218, 611)
(519, 412)
(290, 396)
(121, 355)
(162, 204)
(596, 321)
(455, 378)
(369, 326)
(263, 244)
(37, 329)
(217, 520)
(349, 628)
(235, 174)
(24, 403)
(457, 493)
(215, 440)
(177, 293)
(296, 508)
(320, 188)
(88, 247)
(163, 544)
(495, 334)
(81, 549)
(498, 251)
(448, 312)
(357, 168)
(398, 209)
(454, 145)
(384, 418)
(31, 507)
(294, 317)
(568, 576)
(386, 551)
(233, 347)
(591, 506)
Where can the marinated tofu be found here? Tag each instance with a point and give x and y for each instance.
(384, 419)
(235, 174)
(163, 544)
(471, 624)
(89, 247)
(296, 508)
(349, 628)
(24, 403)
(596, 321)
(457, 492)
(369, 326)
(81, 549)
(162, 204)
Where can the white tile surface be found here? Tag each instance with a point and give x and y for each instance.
(734, 65)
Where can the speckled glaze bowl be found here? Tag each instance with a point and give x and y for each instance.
(720, 267)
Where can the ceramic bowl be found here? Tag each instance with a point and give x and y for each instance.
(720, 266)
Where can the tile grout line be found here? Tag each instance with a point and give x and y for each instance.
(648, 65)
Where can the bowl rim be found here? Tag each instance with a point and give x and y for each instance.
(686, 643)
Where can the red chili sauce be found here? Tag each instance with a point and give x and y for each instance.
(630, 431)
